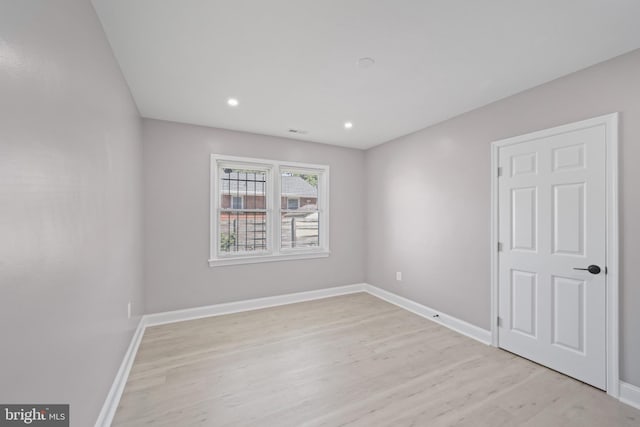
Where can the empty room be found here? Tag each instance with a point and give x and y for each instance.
(319, 213)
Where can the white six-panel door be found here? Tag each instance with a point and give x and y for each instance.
(552, 220)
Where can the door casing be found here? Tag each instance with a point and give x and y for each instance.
(610, 121)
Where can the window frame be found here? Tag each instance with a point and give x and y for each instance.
(273, 170)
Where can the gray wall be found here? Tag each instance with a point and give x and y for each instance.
(70, 206)
(70, 209)
(176, 203)
(428, 196)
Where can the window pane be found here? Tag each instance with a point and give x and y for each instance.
(293, 204)
(299, 190)
(242, 188)
(300, 229)
(242, 231)
(236, 202)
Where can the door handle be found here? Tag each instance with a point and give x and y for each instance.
(593, 269)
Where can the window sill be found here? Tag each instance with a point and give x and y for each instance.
(267, 258)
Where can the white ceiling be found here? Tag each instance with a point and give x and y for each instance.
(293, 63)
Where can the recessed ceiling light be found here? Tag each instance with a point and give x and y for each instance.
(366, 62)
(348, 125)
(232, 102)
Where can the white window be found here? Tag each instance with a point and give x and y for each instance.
(265, 210)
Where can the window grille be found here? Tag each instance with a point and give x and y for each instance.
(243, 210)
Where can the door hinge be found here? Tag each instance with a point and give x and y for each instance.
(498, 321)
(500, 171)
(499, 246)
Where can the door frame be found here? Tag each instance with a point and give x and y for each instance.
(610, 121)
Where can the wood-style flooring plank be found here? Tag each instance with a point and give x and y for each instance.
(352, 360)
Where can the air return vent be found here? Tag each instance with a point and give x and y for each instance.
(298, 131)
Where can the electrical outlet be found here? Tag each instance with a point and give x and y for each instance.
(399, 276)
(129, 310)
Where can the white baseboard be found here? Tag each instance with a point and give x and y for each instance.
(115, 392)
(247, 305)
(450, 322)
(629, 394)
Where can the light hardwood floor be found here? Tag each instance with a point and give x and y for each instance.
(352, 360)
